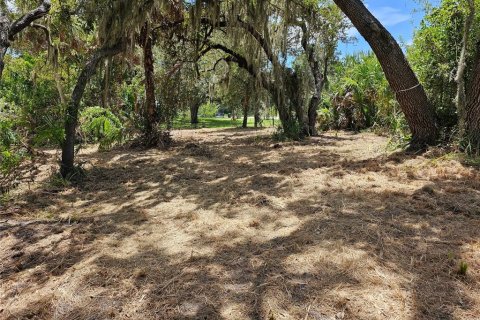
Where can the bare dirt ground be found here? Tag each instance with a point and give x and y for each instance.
(226, 226)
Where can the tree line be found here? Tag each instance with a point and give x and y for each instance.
(146, 62)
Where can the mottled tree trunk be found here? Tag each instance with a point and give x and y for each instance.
(71, 117)
(284, 113)
(295, 100)
(312, 115)
(409, 93)
(318, 78)
(148, 66)
(461, 97)
(472, 109)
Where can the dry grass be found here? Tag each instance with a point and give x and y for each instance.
(225, 226)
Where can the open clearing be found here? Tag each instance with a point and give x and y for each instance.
(226, 226)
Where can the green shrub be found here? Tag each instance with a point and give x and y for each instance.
(325, 119)
(99, 125)
(29, 94)
(462, 268)
(288, 131)
(208, 110)
(49, 131)
(12, 152)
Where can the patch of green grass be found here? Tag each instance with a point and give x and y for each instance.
(182, 123)
(472, 161)
(465, 159)
(5, 198)
(462, 268)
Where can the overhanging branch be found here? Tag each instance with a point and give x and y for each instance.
(25, 20)
(251, 30)
(241, 61)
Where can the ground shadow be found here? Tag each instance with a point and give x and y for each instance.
(339, 247)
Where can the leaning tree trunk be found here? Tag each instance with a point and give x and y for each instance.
(68, 148)
(472, 110)
(461, 97)
(409, 92)
(150, 105)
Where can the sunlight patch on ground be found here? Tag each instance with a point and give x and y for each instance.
(333, 227)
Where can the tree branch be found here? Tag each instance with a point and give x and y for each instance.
(25, 20)
(241, 61)
(250, 29)
(260, 39)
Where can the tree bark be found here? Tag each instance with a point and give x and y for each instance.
(461, 97)
(295, 103)
(148, 66)
(194, 113)
(246, 106)
(318, 78)
(257, 118)
(409, 93)
(71, 117)
(472, 110)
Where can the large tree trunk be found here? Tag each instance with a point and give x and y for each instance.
(410, 94)
(194, 113)
(296, 103)
(150, 104)
(312, 115)
(146, 42)
(472, 110)
(319, 81)
(284, 113)
(461, 97)
(71, 117)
